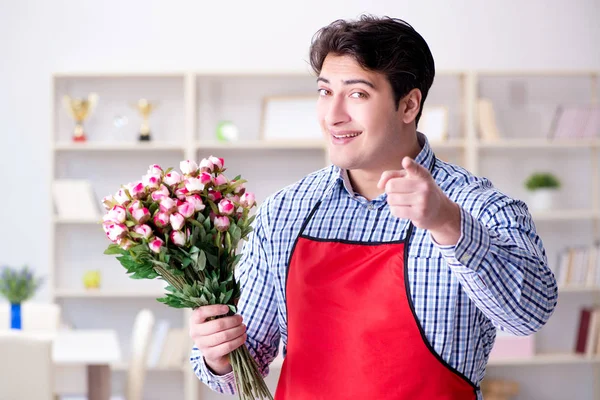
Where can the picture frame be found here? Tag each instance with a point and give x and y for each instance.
(75, 199)
(434, 123)
(290, 118)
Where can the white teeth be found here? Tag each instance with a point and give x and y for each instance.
(351, 135)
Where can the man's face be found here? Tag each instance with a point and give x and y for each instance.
(357, 114)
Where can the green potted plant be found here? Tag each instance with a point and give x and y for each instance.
(17, 286)
(542, 186)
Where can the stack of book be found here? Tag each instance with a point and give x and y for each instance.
(578, 267)
(587, 341)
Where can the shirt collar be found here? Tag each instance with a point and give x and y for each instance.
(424, 158)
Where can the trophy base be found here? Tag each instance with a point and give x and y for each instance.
(144, 138)
(79, 139)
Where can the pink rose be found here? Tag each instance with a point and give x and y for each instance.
(116, 214)
(196, 201)
(137, 190)
(222, 223)
(159, 193)
(206, 165)
(186, 209)
(151, 181)
(181, 193)
(247, 200)
(134, 206)
(121, 197)
(161, 219)
(168, 205)
(178, 238)
(109, 202)
(141, 215)
(172, 178)
(155, 169)
(126, 243)
(234, 198)
(188, 167)
(143, 230)
(205, 178)
(114, 231)
(217, 162)
(177, 221)
(226, 207)
(214, 196)
(220, 180)
(240, 189)
(155, 244)
(194, 185)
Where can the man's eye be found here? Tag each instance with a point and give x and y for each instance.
(323, 92)
(358, 95)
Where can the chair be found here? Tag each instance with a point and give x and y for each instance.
(26, 368)
(141, 338)
(140, 346)
(36, 317)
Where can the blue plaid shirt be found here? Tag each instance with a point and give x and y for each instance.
(495, 277)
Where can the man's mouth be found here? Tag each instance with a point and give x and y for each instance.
(345, 135)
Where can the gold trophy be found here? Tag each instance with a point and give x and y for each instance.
(145, 108)
(80, 109)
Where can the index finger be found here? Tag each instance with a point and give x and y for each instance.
(387, 175)
(201, 314)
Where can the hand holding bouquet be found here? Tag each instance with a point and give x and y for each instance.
(185, 227)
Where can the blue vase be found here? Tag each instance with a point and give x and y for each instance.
(15, 316)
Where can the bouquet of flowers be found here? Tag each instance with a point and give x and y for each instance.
(185, 227)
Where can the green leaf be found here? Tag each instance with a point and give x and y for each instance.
(153, 208)
(213, 206)
(186, 262)
(201, 262)
(114, 249)
(227, 241)
(130, 223)
(227, 296)
(212, 260)
(232, 308)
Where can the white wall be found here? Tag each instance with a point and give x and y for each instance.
(38, 37)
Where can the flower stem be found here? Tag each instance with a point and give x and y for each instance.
(249, 382)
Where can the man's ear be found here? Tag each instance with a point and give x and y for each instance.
(410, 106)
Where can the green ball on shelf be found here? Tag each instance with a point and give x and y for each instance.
(227, 131)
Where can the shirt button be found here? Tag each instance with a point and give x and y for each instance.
(371, 206)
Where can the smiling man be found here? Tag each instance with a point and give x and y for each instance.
(386, 274)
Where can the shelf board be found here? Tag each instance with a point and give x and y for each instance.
(105, 293)
(578, 289)
(260, 144)
(538, 144)
(564, 215)
(77, 221)
(546, 359)
(447, 144)
(116, 146)
(123, 366)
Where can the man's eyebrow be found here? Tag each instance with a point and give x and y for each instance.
(348, 82)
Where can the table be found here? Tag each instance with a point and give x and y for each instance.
(94, 349)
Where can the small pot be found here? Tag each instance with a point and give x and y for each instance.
(542, 199)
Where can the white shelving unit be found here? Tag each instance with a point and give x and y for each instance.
(192, 103)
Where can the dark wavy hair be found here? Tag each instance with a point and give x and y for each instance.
(382, 44)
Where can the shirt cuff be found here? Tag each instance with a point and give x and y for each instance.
(472, 246)
(227, 379)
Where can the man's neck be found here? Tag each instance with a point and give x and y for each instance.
(365, 181)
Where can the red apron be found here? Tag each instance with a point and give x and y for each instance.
(352, 328)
